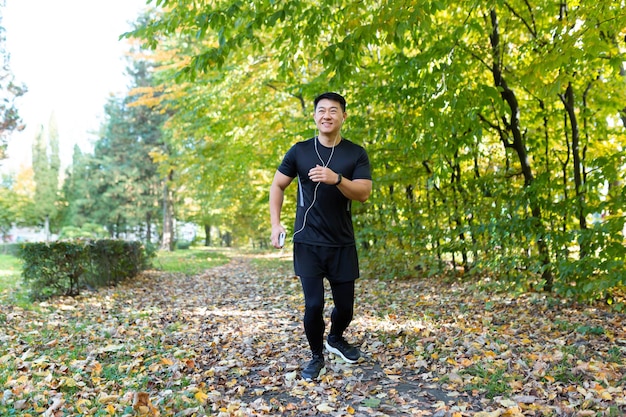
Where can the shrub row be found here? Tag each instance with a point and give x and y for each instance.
(66, 267)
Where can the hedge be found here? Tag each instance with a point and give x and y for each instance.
(66, 267)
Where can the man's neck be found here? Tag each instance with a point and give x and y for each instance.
(329, 141)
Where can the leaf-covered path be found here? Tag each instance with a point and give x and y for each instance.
(230, 342)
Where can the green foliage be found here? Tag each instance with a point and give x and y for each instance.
(46, 166)
(7, 210)
(86, 231)
(64, 267)
(496, 144)
(111, 261)
(52, 268)
(183, 244)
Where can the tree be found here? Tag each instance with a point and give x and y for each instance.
(9, 91)
(75, 191)
(7, 209)
(46, 168)
(118, 186)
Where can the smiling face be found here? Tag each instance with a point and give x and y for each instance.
(329, 116)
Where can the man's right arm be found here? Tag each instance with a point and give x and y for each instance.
(277, 196)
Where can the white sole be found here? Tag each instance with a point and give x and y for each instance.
(337, 352)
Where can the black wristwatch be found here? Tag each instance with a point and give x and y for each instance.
(339, 178)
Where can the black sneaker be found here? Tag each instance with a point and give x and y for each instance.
(313, 368)
(340, 347)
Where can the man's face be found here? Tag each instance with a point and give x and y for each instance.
(328, 116)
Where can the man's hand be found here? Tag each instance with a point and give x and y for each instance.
(276, 231)
(323, 174)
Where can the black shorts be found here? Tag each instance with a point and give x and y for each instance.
(338, 264)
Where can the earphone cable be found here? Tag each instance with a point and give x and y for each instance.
(325, 165)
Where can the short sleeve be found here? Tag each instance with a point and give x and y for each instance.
(288, 166)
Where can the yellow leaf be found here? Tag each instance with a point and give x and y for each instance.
(605, 395)
(325, 408)
(68, 382)
(97, 369)
(466, 362)
(167, 361)
(351, 410)
(513, 412)
(110, 409)
(107, 399)
(201, 396)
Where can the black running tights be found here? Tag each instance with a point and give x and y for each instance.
(340, 318)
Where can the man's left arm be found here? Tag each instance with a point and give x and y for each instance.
(358, 189)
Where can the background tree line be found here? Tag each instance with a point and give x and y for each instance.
(496, 131)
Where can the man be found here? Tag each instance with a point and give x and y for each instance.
(332, 171)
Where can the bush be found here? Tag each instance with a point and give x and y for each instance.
(113, 260)
(52, 268)
(183, 244)
(64, 267)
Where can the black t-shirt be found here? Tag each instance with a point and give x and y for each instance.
(328, 212)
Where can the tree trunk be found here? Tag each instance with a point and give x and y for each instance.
(207, 235)
(167, 242)
(519, 147)
(568, 102)
(46, 227)
(148, 228)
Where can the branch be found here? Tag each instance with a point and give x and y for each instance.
(497, 128)
(512, 10)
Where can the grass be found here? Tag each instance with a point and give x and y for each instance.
(189, 261)
(491, 382)
(272, 262)
(10, 270)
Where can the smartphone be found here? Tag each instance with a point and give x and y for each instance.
(281, 239)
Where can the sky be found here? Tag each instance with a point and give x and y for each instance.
(67, 54)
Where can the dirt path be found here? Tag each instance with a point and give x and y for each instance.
(248, 341)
